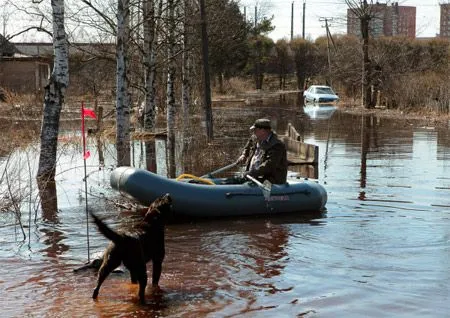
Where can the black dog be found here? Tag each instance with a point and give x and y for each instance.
(134, 251)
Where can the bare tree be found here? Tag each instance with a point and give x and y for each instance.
(54, 96)
(206, 77)
(122, 96)
(186, 84)
(170, 99)
(365, 12)
(304, 60)
(283, 59)
(149, 58)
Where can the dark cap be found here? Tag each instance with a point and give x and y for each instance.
(263, 123)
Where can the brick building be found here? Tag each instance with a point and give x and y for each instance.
(444, 30)
(387, 20)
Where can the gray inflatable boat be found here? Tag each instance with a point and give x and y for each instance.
(217, 199)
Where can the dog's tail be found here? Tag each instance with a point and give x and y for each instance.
(105, 229)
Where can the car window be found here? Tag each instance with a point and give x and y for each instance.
(324, 90)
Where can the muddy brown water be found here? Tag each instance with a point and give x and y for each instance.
(381, 248)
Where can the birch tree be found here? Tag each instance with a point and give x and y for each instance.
(122, 97)
(54, 96)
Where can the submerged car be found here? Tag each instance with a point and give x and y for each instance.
(320, 94)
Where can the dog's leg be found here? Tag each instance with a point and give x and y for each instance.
(107, 267)
(142, 278)
(157, 269)
(134, 278)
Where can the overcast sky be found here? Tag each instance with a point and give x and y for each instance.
(427, 16)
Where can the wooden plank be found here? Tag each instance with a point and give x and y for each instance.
(298, 151)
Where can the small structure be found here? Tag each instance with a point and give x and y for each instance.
(303, 158)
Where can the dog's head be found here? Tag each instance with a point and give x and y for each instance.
(160, 208)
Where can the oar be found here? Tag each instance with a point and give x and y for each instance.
(266, 187)
(210, 174)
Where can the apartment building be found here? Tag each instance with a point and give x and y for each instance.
(386, 20)
(444, 30)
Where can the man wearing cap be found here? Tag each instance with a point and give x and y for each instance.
(265, 154)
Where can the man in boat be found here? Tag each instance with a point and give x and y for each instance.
(264, 154)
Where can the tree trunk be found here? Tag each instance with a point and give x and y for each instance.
(186, 68)
(365, 94)
(122, 98)
(206, 78)
(150, 65)
(171, 168)
(54, 96)
(258, 73)
(366, 65)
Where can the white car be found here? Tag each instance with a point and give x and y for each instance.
(320, 94)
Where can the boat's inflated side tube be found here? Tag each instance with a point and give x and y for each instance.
(202, 200)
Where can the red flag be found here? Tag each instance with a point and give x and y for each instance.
(86, 155)
(88, 113)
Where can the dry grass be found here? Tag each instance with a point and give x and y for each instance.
(234, 87)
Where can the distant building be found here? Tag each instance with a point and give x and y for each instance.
(21, 72)
(6, 47)
(26, 67)
(444, 31)
(387, 20)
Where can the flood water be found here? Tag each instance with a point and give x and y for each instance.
(381, 248)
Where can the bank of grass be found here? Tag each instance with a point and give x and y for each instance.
(425, 95)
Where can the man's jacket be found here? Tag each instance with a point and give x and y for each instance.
(273, 165)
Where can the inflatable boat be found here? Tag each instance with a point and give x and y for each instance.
(216, 197)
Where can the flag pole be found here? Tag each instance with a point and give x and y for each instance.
(85, 179)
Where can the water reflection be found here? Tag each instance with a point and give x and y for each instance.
(49, 201)
(316, 111)
(387, 225)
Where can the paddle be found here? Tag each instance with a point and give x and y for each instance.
(210, 174)
(266, 187)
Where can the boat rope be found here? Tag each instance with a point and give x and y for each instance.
(190, 176)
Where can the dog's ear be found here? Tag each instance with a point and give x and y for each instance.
(152, 213)
(167, 198)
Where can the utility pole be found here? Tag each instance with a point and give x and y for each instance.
(304, 8)
(328, 47)
(256, 16)
(292, 21)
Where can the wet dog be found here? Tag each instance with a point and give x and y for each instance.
(134, 251)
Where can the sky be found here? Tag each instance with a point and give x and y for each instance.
(427, 16)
